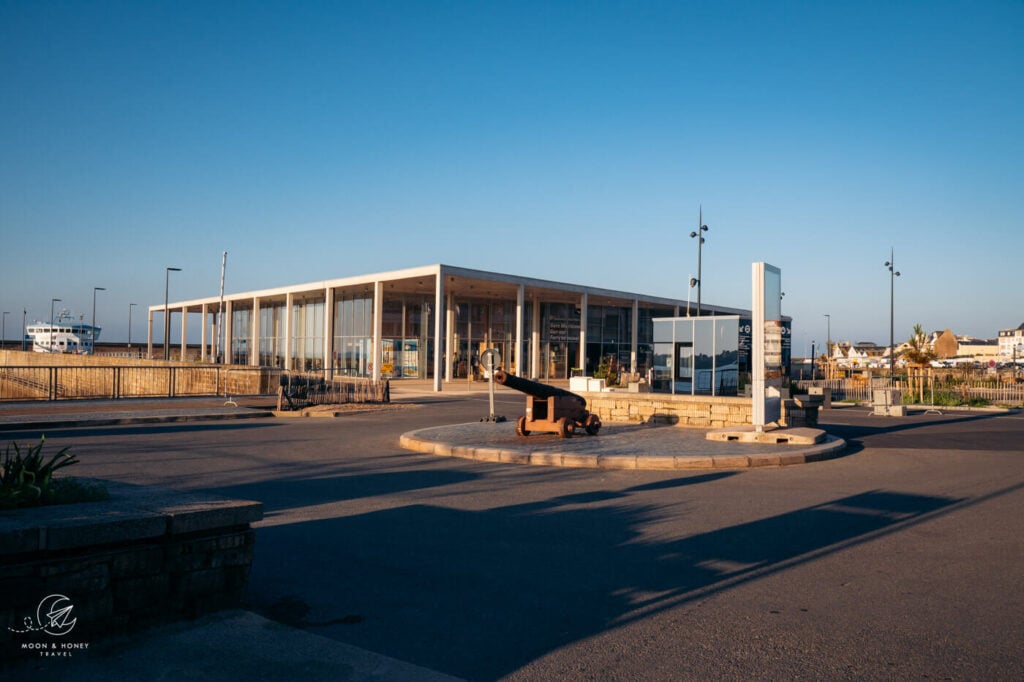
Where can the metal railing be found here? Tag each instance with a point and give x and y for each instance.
(861, 390)
(299, 390)
(133, 381)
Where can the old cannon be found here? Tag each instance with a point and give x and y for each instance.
(550, 409)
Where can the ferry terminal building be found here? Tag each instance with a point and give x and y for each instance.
(431, 322)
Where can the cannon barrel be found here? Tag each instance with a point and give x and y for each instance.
(537, 390)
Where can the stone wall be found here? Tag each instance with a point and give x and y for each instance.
(143, 557)
(44, 376)
(664, 408)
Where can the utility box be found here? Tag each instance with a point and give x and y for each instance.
(824, 393)
(888, 402)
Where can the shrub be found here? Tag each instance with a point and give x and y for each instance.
(608, 369)
(27, 479)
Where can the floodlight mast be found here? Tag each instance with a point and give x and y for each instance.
(701, 228)
(893, 274)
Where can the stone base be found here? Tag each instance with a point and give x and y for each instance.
(794, 436)
(144, 556)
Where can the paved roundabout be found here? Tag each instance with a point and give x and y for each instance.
(617, 446)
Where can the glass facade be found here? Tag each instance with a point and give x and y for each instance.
(405, 338)
(697, 355)
(480, 325)
(353, 335)
(610, 338)
(307, 335)
(241, 332)
(271, 341)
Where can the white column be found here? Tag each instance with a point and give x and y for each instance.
(583, 334)
(329, 333)
(254, 333)
(520, 311)
(378, 328)
(203, 316)
(228, 331)
(149, 337)
(633, 341)
(449, 332)
(215, 332)
(442, 332)
(184, 329)
(289, 300)
(535, 342)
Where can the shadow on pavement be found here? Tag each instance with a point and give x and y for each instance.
(928, 432)
(481, 593)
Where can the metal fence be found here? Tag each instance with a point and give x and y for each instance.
(861, 390)
(307, 390)
(133, 381)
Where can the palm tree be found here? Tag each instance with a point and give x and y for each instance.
(919, 354)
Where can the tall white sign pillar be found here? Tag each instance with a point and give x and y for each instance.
(766, 345)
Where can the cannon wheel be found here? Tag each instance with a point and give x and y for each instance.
(566, 427)
(521, 427)
(592, 424)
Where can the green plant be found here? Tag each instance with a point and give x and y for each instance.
(26, 479)
(608, 369)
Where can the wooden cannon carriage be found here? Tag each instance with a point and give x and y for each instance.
(550, 409)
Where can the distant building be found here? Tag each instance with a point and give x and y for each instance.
(979, 349)
(859, 355)
(1011, 339)
(945, 344)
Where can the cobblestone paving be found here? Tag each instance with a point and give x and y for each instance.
(613, 439)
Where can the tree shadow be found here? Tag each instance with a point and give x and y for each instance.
(334, 483)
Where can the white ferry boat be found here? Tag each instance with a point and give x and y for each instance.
(63, 336)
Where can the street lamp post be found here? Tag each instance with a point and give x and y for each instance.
(814, 361)
(828, 344)
(167, 314)
(92, 332)
(6, 313)
(828, 339)
(701, 228)
(130, 306)
(893, 274)
(52, 301)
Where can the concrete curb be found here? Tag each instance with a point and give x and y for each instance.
(73, 421)
(429, 441)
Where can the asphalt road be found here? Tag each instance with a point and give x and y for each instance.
(900, 560)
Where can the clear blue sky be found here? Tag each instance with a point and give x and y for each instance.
(561, 140)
